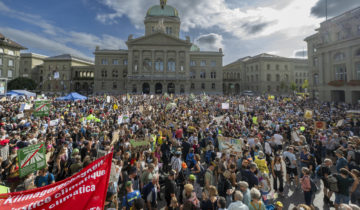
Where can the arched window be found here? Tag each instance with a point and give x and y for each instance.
(92, 74)
(171, 66)
(159, 65)
(147, 65)
(134, 88)
(203, 86)
(114, 85)
(136, 66)
(182, 89)
(103, 73)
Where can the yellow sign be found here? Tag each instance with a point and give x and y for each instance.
(271, 97)
(308, 114)
(115, 107)
(255, 120)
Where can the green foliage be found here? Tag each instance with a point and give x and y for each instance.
(22, 83)
(293, 86)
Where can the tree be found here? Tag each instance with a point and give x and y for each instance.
(22, 83)
(305, 85)
(293, 86)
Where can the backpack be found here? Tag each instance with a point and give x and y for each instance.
(201, 175)
(314, 188)
(333, 183)
(287, 161)
(146, 191)
(208, 156)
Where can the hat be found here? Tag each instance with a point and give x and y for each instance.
(75, 151)
(279, 204)
(261, 155)
(172, 173)
(192, 177)
(339, 152)
(189, 188)
(183, 165)
(128, 184)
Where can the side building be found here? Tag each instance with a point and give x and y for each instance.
(66, 73)
(334, 59)
(32, 66)
(9, 60)
(265, 73)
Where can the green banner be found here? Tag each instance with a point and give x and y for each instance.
(135, 143)
(31, 158)
(42, 108)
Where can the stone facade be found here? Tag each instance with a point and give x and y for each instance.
(334, 59)
(9, 58)
(159, 62)
(64, 73)
(265, 73)
(31, 66)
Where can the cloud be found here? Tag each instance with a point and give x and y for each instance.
(35, 41)
(335, 7)
(56, 38)
(300, 53)
(250, 22)
(210, 42)
(90, 41)
(255, 27)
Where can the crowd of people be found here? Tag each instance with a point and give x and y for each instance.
(182, 164)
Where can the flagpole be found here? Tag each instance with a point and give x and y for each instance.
(326, 9)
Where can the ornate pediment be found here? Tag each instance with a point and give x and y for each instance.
(158, 39)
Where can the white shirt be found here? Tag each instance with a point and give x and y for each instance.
(278, 139)
(238, 205)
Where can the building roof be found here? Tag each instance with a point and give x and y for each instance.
(195, 48)
(167, 11)
(33, 55)
(8, 42)
(69, 57)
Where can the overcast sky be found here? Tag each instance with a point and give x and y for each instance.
(240, 27)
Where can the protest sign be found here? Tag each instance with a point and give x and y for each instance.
(31, 159)
(84, 190)
(108, 99)
(42, 108)
(320, 125)
(135, 143)
(340, 123)
(4, 152)
(242, 108)
(225, 106)
(230, 144)
(308, 114)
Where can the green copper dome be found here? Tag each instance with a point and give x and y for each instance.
(168, 11)
(194, 48)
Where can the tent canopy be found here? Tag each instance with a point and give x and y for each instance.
(20, 93)
(72, 97)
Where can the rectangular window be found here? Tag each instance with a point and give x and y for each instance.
(316, 62)
(277, 67)
(192, 63)
(192, 75)
(213, 75)
(203, 74)
(115, 62)
(340, 72)
(357, 70)
(203, 63)
(104, 62)
(1, 50)
(268, 67)
(0, 72)
(11, 52)
(10, 73)
(213, 63)
(0, 61)
(213, 86)
(11, 62)
(125, 62)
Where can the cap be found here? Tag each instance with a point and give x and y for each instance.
(128, 184)
(183, 165)
(192, 177)
(172, 173)
(279, 204)
(213, 163)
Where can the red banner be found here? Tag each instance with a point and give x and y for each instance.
(84, 190)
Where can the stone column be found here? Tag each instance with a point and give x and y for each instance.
(165, 60)
(177, 63)
(140, 61)
(152, 61)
